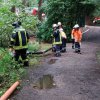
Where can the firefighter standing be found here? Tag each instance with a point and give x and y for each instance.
(57, 40)
(73, 40)
(19, 41)
(63, 36)
(77, 36)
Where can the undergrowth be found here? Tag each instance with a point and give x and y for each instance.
(11, 71)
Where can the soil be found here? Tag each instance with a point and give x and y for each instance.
(76, 76)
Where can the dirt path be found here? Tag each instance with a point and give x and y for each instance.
(77, 76)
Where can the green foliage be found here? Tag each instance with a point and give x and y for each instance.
(45, 32)
(69, 12)
(33, 47)
(10, 71)
(97, 10)
(5, 24)
(7, 18)
(29, 22)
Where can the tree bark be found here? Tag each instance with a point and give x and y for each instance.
(39, 10)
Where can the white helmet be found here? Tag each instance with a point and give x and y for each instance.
(59, 23)
(54, 25)
(43, 14)
(76, 26)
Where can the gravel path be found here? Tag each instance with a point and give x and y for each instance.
(77, 76)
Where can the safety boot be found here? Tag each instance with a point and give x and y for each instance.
(26, 63)
(58, 54)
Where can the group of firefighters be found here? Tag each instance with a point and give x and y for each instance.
(20, 39)
(59, 39)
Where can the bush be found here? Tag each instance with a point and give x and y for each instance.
(69, 12)
(33, 46)
(10, 71)
(7, 17)
(45, 32)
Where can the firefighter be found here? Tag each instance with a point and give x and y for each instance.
(63, 36)
(57, 40)
(77, 36)
(19, 42)
(73, 40)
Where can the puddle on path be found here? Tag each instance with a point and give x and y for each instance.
(44, 82)
(52, 61)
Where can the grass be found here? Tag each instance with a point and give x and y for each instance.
(34, 59)
(33, 46)
(45, 46)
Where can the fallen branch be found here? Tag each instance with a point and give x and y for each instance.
(40, 52)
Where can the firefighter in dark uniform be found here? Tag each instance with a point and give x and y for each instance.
(57, 41)
(19, 42)
(63, 36)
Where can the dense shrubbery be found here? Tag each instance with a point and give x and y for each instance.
(69, 12)
(45, 32)
(10, 71)
(7, 17)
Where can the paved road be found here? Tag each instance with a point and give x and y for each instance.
(77, 76)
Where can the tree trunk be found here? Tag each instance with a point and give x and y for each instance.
(39, 10)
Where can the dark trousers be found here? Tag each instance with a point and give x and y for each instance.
(63, 47)
(77, 47)
(58, 47)
(73, 43)
(22, 53)
(58, 50)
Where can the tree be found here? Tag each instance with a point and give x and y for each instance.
(97, 10)
(39, 10)
(69, 12)
(7, 17)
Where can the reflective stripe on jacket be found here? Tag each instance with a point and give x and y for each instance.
(57, 37)
(63, 35)
(19, 38)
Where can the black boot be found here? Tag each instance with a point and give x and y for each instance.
(79, 51)
(73, 47)
(58, 54)
(63, 50)
(26, 63)
(76, 50)
(53, 49)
